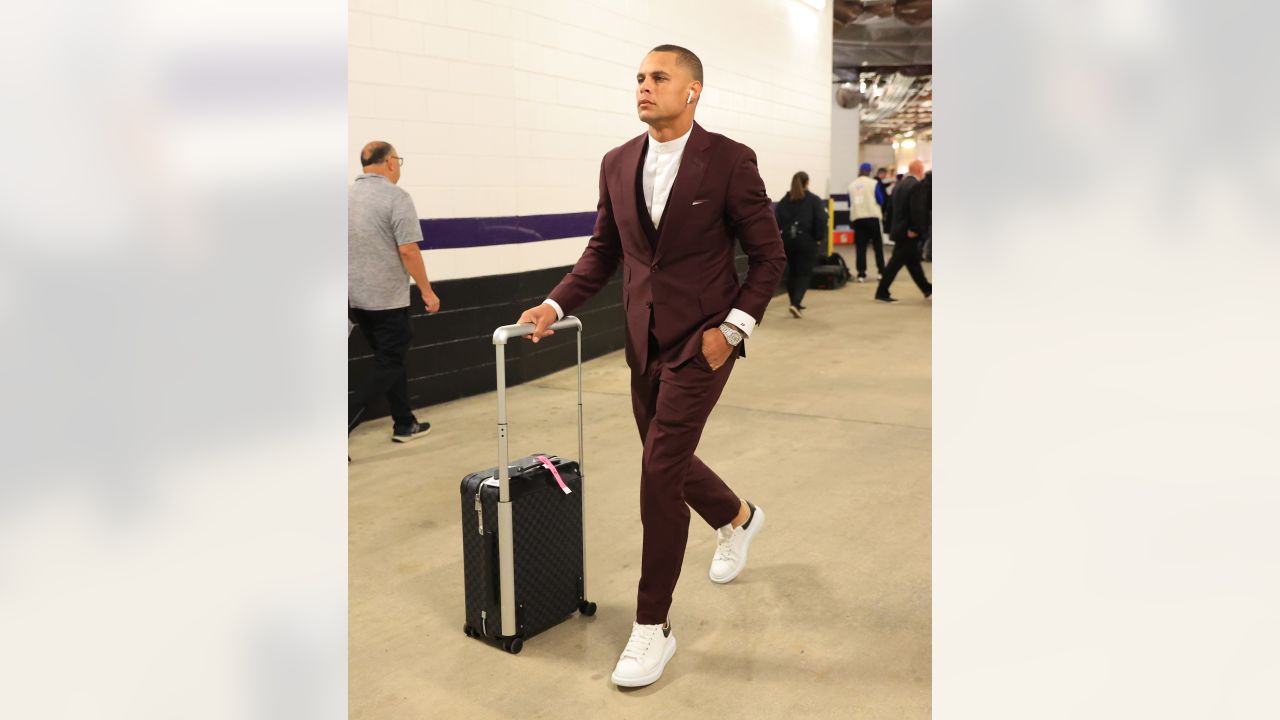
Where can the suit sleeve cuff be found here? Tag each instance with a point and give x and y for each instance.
(555, 306)
(742, 321)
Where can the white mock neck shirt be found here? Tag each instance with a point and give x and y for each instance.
(661, 163)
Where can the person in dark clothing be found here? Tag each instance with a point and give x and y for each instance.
(926, 248)
(886, 204)
(911, 211)
(802, 218)
(882, 187)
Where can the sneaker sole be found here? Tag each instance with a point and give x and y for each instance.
(756, 526)
(794, 312)
(652, 677)
(407, 438)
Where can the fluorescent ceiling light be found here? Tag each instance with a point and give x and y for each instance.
(908, 144)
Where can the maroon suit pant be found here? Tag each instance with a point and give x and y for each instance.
(671, 406)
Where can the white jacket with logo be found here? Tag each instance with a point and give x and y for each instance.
(862, 199)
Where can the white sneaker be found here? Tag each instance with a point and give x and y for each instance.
(861, 278)
(731, 546)
(646, 655)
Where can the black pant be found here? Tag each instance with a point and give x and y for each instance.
(387, 332)
(802, 255)
(866, 231)
(906, 251)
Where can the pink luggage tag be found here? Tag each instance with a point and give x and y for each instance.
(554, 473)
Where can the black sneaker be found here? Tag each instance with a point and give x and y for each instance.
(886, 299)
(415, 430)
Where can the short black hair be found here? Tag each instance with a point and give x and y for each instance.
(374, 153)
(685, 57)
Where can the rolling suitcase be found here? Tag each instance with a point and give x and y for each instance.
(523, 546)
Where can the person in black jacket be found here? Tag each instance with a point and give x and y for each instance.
(802, 218)
(926, 247)
(911, 216)
(882, 196)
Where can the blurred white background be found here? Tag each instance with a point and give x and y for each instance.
(1105, 343)
(172, 269)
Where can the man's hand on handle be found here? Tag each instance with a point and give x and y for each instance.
(542, 317)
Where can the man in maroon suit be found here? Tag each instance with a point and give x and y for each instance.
(672, 203)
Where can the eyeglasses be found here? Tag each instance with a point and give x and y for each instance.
(398, 158)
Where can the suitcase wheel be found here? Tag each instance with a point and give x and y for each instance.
(468, 631)
(513, 645)
(587, 608)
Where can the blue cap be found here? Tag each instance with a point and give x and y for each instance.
(864, 167)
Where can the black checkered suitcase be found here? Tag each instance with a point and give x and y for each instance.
(523, 548)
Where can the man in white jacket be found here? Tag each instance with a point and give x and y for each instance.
(864, 211)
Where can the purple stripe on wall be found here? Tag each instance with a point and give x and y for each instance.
(452, 233)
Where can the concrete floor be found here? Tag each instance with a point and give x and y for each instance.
(826, 425)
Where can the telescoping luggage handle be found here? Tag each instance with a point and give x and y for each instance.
(506, 549)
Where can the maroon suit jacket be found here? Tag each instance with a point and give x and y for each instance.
(688, 283)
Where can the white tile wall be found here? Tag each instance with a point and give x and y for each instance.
(501, 259)
(505, 107)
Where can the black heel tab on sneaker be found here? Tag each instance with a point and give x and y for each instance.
(750, 517)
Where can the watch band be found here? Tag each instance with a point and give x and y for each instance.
(730, 333)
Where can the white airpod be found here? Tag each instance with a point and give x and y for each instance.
(686, 102)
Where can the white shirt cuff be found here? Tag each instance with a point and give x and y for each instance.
(555, 306)
(742, 321)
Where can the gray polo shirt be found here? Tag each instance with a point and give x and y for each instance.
(380, 218)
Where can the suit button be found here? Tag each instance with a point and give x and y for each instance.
(653, 267)
(649, 305)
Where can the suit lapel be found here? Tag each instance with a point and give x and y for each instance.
(625, 213)
(688, 179)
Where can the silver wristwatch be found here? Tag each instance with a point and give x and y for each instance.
(731, 334)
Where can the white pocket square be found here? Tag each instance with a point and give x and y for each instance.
(698, 202)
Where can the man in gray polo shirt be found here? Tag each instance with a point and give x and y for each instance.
(382, 254)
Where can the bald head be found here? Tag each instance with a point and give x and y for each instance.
(916, 168)
(379, 157)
